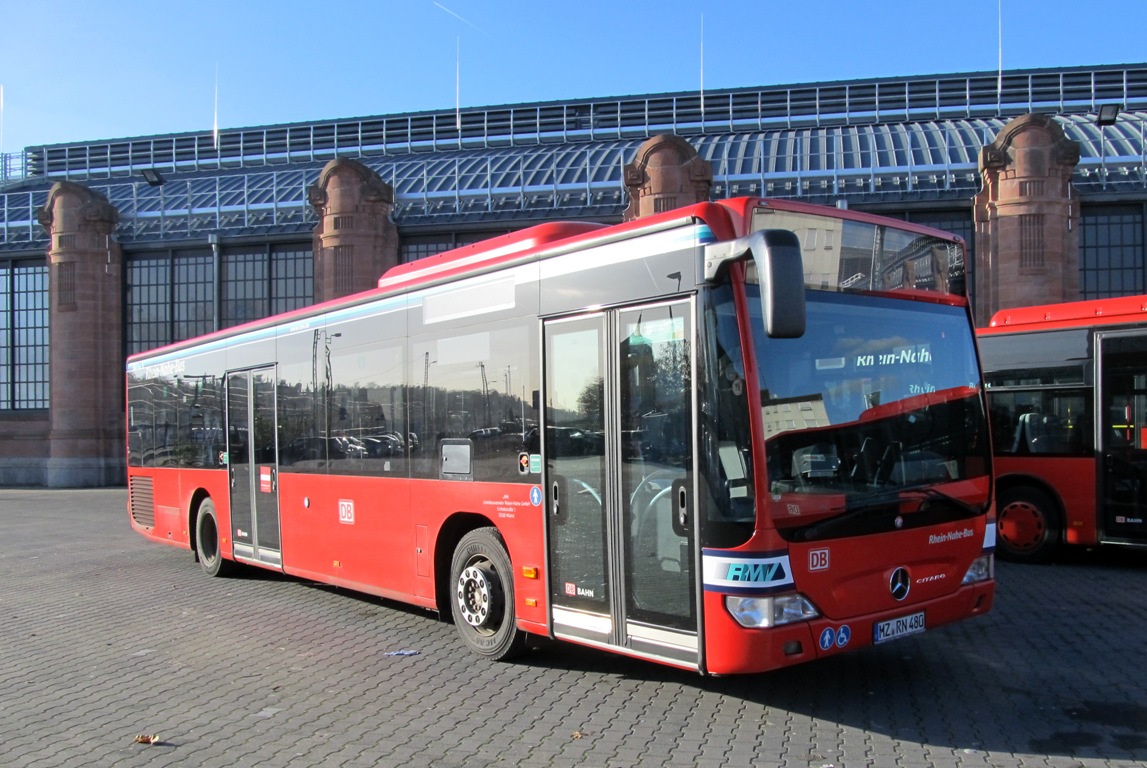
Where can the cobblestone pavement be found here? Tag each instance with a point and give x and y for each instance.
(104, 636)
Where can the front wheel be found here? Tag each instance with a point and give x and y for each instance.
(482, 596)
(1028, 525)
(207, 541)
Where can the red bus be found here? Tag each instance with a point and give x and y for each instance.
(1067, 384)
(695, 438)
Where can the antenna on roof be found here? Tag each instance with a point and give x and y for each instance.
(702, 69)
(458, 89)
(215, 129)
(1000, 69)
(1, 122)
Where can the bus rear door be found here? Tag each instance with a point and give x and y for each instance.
(253, 465)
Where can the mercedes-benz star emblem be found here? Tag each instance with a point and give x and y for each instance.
(900, 583)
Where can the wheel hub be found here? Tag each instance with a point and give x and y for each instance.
(1022, 525)
(476, 595)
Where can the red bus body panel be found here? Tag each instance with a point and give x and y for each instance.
(734, 650)
(175, 492)
(852, 591)
(1071, 479)
(388, 550)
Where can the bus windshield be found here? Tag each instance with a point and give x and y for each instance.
(880, 397)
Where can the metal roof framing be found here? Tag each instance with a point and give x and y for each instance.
(876, 140)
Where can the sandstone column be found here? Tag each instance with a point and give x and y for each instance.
(85, 319)
(355, 240)
(1027, 223)
(666, 173)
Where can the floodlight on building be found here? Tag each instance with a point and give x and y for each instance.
(1107, 114)
(152, 177)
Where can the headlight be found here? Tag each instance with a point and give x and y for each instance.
(981, 569)
(770, 611)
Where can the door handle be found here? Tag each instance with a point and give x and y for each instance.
(682, 509)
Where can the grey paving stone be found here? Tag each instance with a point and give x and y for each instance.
(104, 636)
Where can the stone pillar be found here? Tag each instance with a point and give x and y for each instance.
(85, 320)
(1027, 224)
(355, 240)
(666, 173)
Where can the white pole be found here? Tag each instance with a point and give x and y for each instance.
(215, 128)
(702, 68)
(1000, 69)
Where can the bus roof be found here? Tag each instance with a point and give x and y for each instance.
(485, 254)
(1072, 314)
(464, 258)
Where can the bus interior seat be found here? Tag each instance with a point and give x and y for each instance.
(1039, 433)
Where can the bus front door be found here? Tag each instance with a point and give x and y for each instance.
(253, 462)
(1123, 436)
(619, 458)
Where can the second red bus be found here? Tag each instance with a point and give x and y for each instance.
(1067, 387)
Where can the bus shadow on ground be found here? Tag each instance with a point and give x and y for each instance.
(1032, 676)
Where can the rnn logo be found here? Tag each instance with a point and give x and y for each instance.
(755, 572)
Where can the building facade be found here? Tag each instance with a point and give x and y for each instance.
(113, 247)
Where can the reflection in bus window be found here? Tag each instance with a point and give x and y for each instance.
(729, 501)
(868, 399)
(476, 386)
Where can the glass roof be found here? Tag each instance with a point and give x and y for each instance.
(859, 146)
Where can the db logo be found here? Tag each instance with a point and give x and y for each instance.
(818, 560)
(346, 511)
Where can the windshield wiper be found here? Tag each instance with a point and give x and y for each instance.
(859, 513)
(931, 492)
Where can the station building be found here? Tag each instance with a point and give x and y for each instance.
(118, 246)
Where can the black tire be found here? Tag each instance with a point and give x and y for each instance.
(207, 541)
(482, 596)
(1029, 526)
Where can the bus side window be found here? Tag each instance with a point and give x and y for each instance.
(1026, 423)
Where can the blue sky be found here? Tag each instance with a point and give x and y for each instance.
(76, 70)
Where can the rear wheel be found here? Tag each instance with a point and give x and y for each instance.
(207, 541)
(1029, 527)
(482, 596)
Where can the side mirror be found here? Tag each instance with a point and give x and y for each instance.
(780, 271)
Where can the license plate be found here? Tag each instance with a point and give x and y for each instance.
(902, 626)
